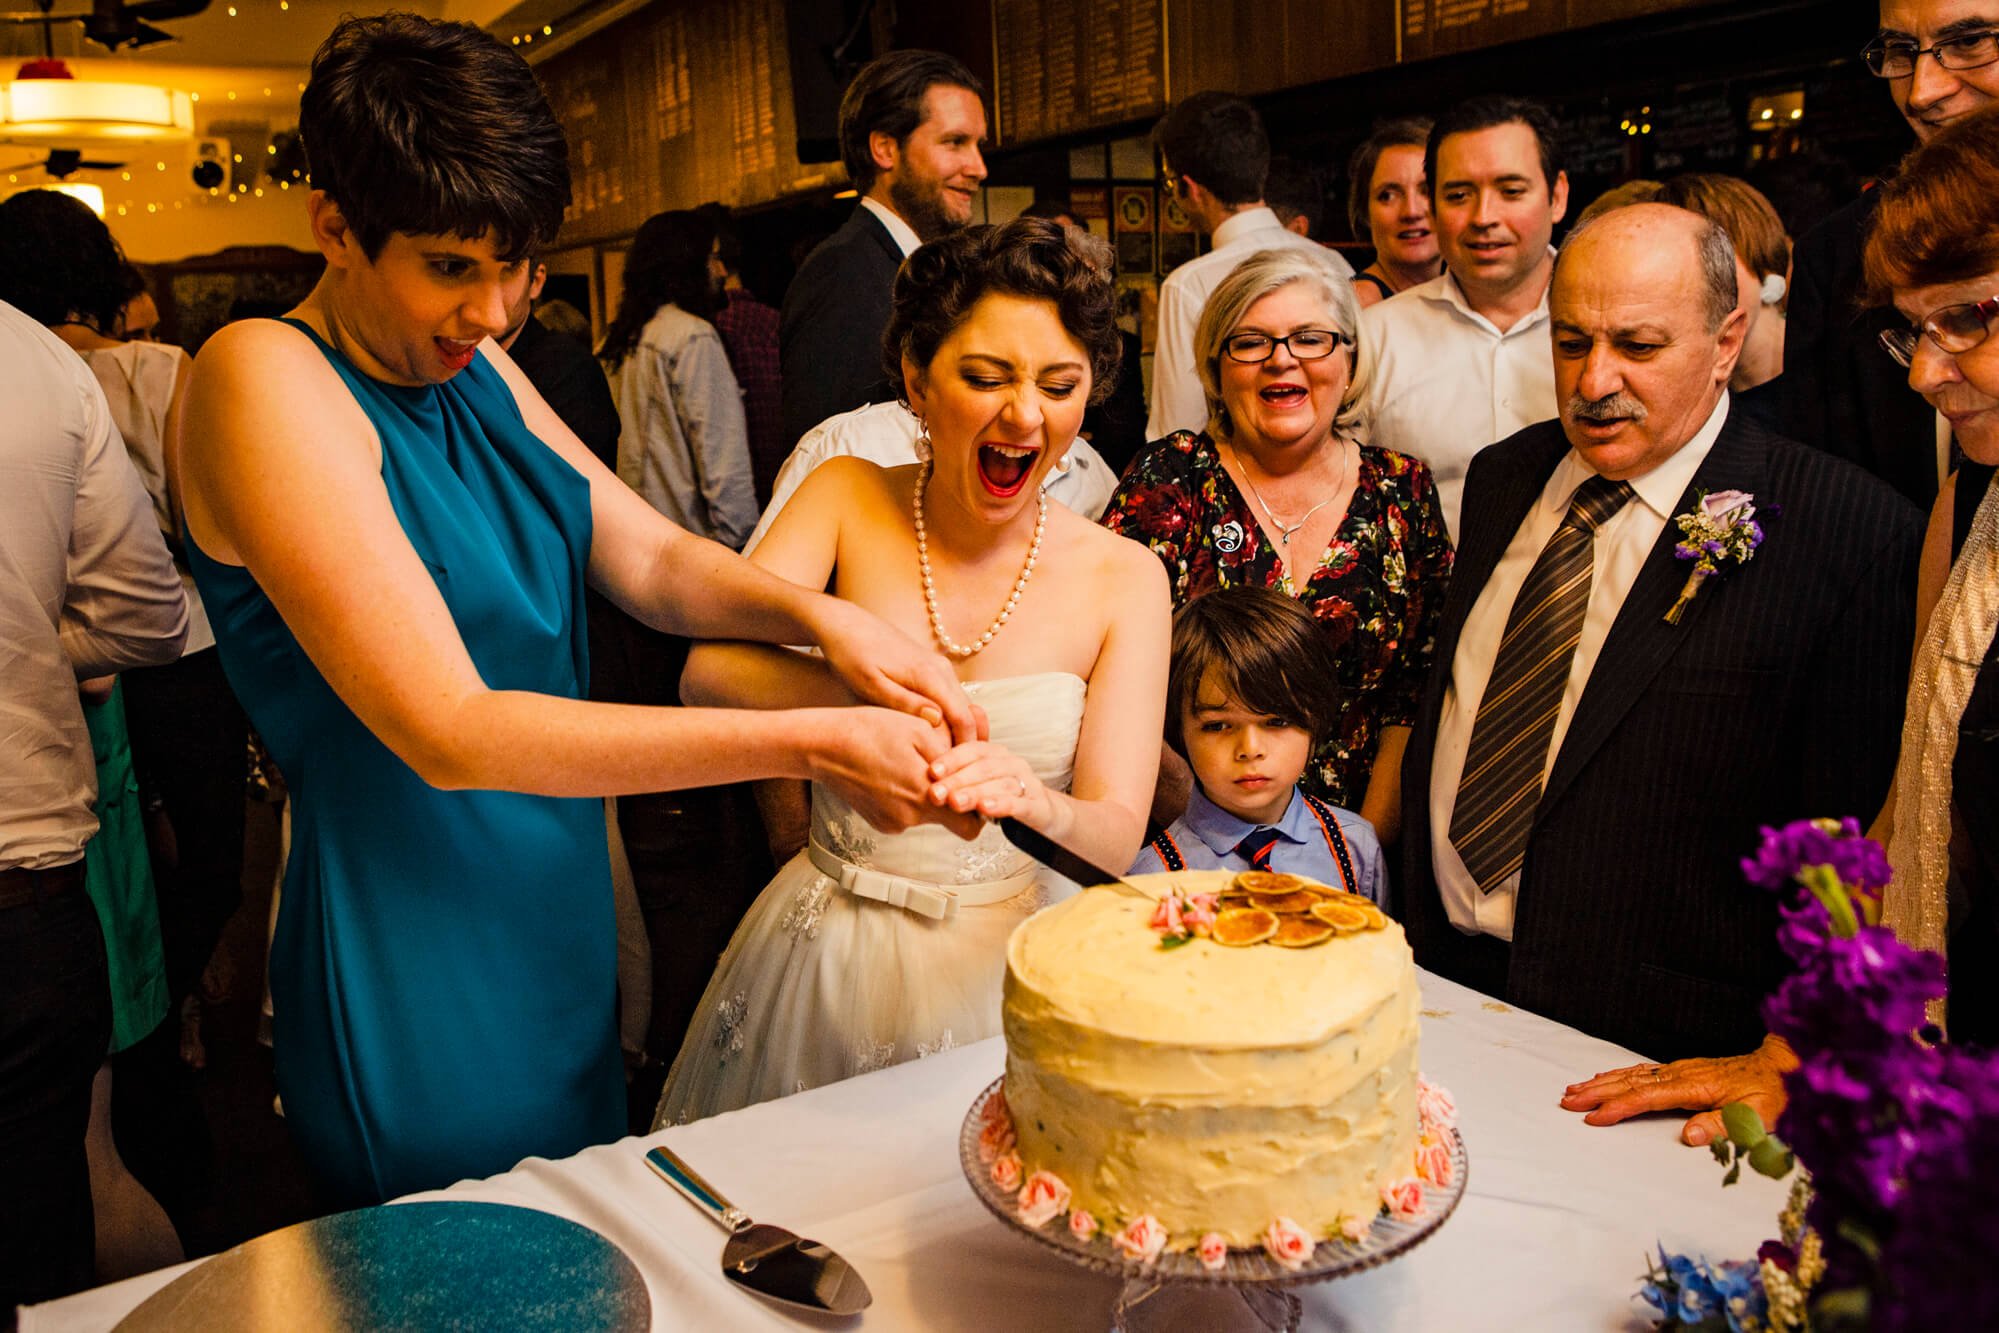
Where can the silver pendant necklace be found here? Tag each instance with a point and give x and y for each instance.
(1286, 531)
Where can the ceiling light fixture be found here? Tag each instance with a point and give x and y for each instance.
(46, 101)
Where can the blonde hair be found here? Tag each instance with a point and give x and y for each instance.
(1256, 277)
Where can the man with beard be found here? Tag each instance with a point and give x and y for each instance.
(1597, 752)
(911, 124)
(1841, 390)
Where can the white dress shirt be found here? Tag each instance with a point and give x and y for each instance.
(885, 435)
(1178, 401)
(899, 231)
(1447, 382)
(683, 443)
(86, 588)
(1622, 544)
(138, 380)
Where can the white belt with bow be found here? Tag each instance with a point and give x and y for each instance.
(920, 896)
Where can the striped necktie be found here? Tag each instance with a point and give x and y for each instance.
(1255, 848)
(1516, 719)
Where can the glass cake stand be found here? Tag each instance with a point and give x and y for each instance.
(1250, 1290)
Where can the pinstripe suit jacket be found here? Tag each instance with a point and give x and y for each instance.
(1778, 696)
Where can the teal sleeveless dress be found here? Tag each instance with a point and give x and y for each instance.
(443, 979)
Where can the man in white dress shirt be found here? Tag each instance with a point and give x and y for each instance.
(86, 589)
(911, 126)
(1215, 157)
(1587, 769)
(1462, 360)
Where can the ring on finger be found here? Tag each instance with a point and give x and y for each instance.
(1023, 785)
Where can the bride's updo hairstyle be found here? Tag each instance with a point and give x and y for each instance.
(1031, 258)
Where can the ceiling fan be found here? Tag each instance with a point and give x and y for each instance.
(62, 163)
(111, 24)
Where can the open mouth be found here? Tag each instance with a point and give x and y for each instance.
(456, 354)
(1284, 395)
(1004, 468)
(1413, 234)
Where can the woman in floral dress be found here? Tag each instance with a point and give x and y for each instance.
(1278, 493)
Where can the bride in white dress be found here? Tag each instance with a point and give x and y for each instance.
(869, 949)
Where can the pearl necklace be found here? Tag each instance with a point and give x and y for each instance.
(1286, 531)
(944, 641)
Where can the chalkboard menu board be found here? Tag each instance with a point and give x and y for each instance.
(1068, 65)
(680, 104)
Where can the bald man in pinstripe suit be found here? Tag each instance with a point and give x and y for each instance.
(1586, 773)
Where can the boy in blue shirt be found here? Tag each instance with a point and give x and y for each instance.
(1247, 695)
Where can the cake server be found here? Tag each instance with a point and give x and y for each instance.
(768, 1260)
(1063, 861)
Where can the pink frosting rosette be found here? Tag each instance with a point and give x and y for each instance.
(1434, 1107)
(996, 1111)
(1404, 1198)
(994, 1139)
(1081, 1225)
(1355, 1228)
(1166, 916)
(1143, 1239)
(1288, 1243)
(1433, 1160)
(1043, 1198)
(1214, 1251)
(1006, 1171)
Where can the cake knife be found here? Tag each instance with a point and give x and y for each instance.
(768, 1260)
(1063, 861)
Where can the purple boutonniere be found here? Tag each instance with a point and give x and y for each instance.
(1721, 529)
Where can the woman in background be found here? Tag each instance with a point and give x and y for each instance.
(1388, 205)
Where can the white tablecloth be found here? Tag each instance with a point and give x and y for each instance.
(1553, 1233)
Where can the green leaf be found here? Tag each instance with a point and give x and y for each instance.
(1846, 1308)
(1825, 886)
(1771, 1158)
(1723, 1150)
(1744, 1126)
(1860, 1238)
(1734, 1173)
(1174, 941)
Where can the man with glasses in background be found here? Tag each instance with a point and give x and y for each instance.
(1214, 159)
(1940, 60)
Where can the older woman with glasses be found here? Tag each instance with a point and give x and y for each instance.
(1934, 253)
(1279, 492)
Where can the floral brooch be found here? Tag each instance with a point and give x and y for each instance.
(1720, 530)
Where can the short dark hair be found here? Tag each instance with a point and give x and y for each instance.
(1028, 257)
(1484, 113)
(430, 128)
(1218, 140)
(58, 260)
(1401, 132)
(1267, 652)
(1296, 189)
(667, 264)
(886, 97)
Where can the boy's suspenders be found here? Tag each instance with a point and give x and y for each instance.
(1336, 841)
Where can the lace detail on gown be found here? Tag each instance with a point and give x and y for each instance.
(819, 985)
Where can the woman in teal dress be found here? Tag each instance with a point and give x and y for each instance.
(392, 533)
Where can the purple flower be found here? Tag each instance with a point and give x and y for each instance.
(1856, 859)
(1728, 507)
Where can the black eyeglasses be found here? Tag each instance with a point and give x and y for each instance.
(1896, 59)
(1954, 328)
(1305, 344)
